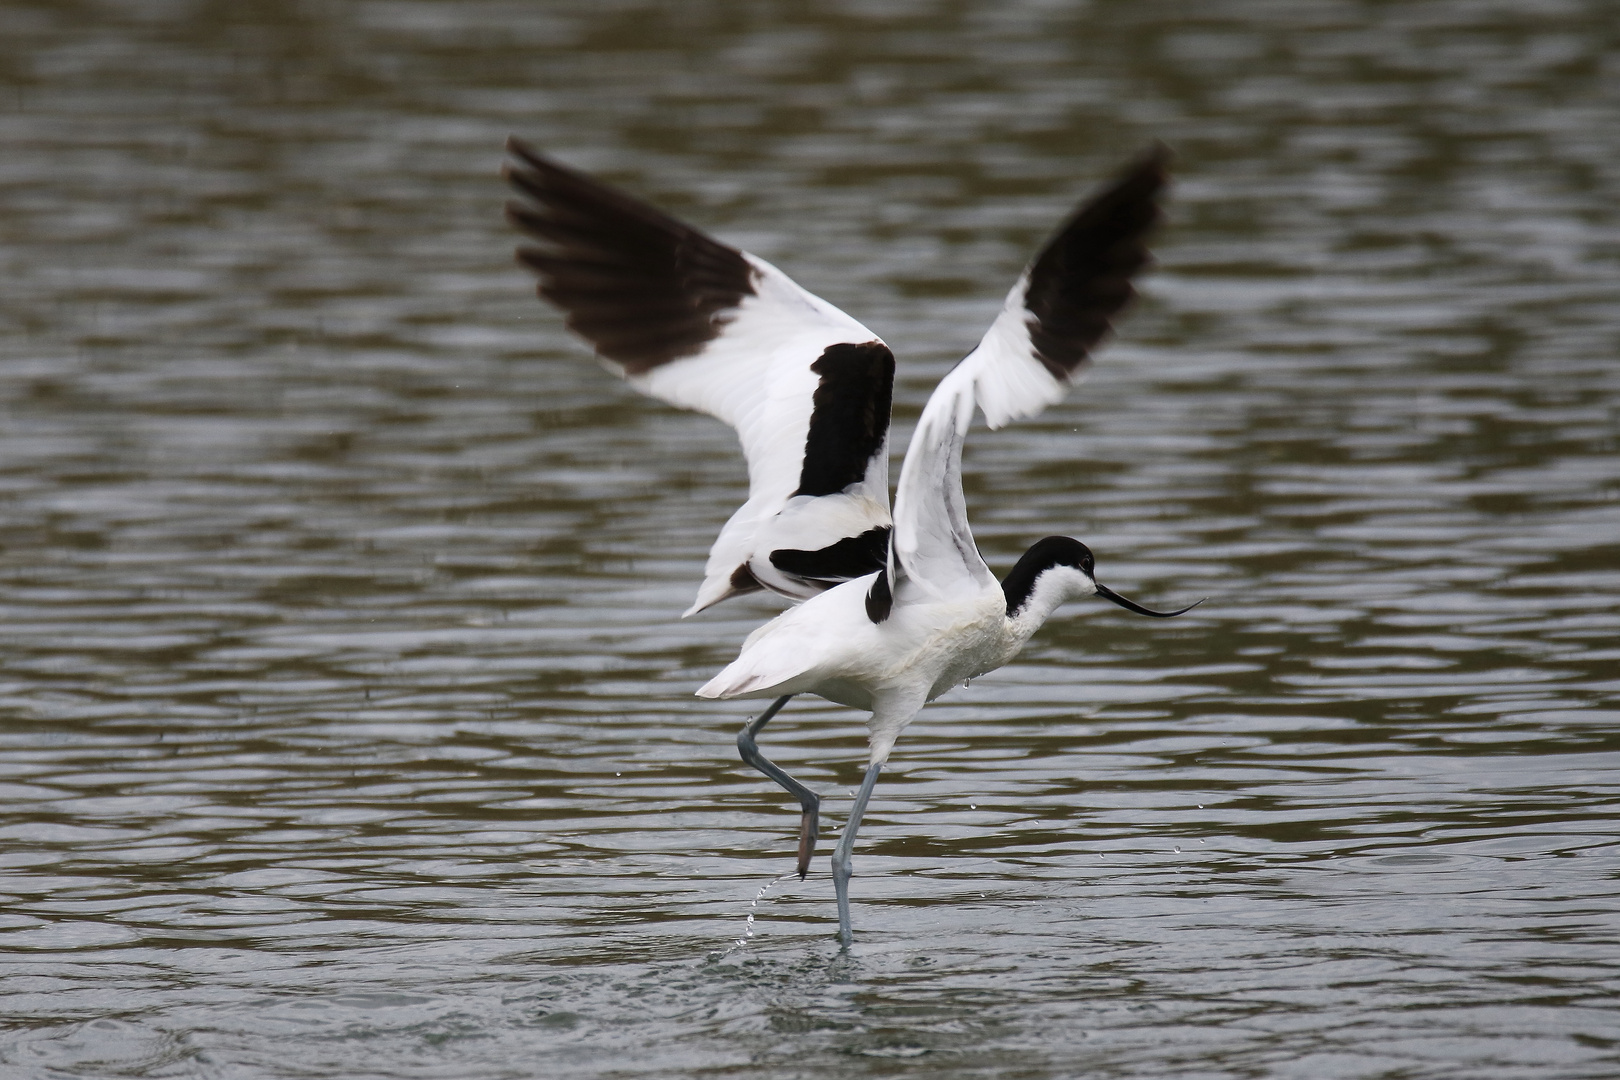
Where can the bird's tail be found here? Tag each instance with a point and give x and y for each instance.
(731, 683)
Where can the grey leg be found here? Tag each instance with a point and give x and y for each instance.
(809, 800)
(846, 847)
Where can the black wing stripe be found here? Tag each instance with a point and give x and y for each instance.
(849, 558)
(1082, 278)
(640, 286)
(849, 420)
(879, 598)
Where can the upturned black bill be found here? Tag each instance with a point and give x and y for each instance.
(1131, 605)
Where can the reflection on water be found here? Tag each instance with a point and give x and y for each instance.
(347, 726)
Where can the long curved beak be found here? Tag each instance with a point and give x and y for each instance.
(1131, 605)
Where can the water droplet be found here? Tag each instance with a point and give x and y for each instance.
(973, 806)
(748, 924)
(1178, 849)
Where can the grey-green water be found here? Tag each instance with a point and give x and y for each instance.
(346, 724)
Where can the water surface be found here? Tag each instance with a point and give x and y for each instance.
(346, 724)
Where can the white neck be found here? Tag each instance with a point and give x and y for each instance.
(1053, 587)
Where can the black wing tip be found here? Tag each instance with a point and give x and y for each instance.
(534, 174)
(1149, 170)
(525, 152)
(1156, 154)
(549, 183)
(1140, 183)
(640, 286)
(1081, 281)
(531, 164)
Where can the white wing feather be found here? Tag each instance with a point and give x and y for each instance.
(756, 377)
(1038, 346)
(704, 326)
(933, 548)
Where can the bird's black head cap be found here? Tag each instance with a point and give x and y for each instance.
(1066, 551)
(1043, 555)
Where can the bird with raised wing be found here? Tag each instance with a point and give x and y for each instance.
(895, 610)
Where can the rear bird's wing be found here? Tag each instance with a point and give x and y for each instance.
(1060, 309)
(704, 326)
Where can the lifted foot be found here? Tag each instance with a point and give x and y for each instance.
(810, 823)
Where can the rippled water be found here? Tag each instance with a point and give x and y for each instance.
(347, 723)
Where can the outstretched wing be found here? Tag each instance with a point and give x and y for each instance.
(1060, 309)
(704, 326)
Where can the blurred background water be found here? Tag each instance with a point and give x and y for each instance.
(346, 725)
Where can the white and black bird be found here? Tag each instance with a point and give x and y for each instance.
(896, 610)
